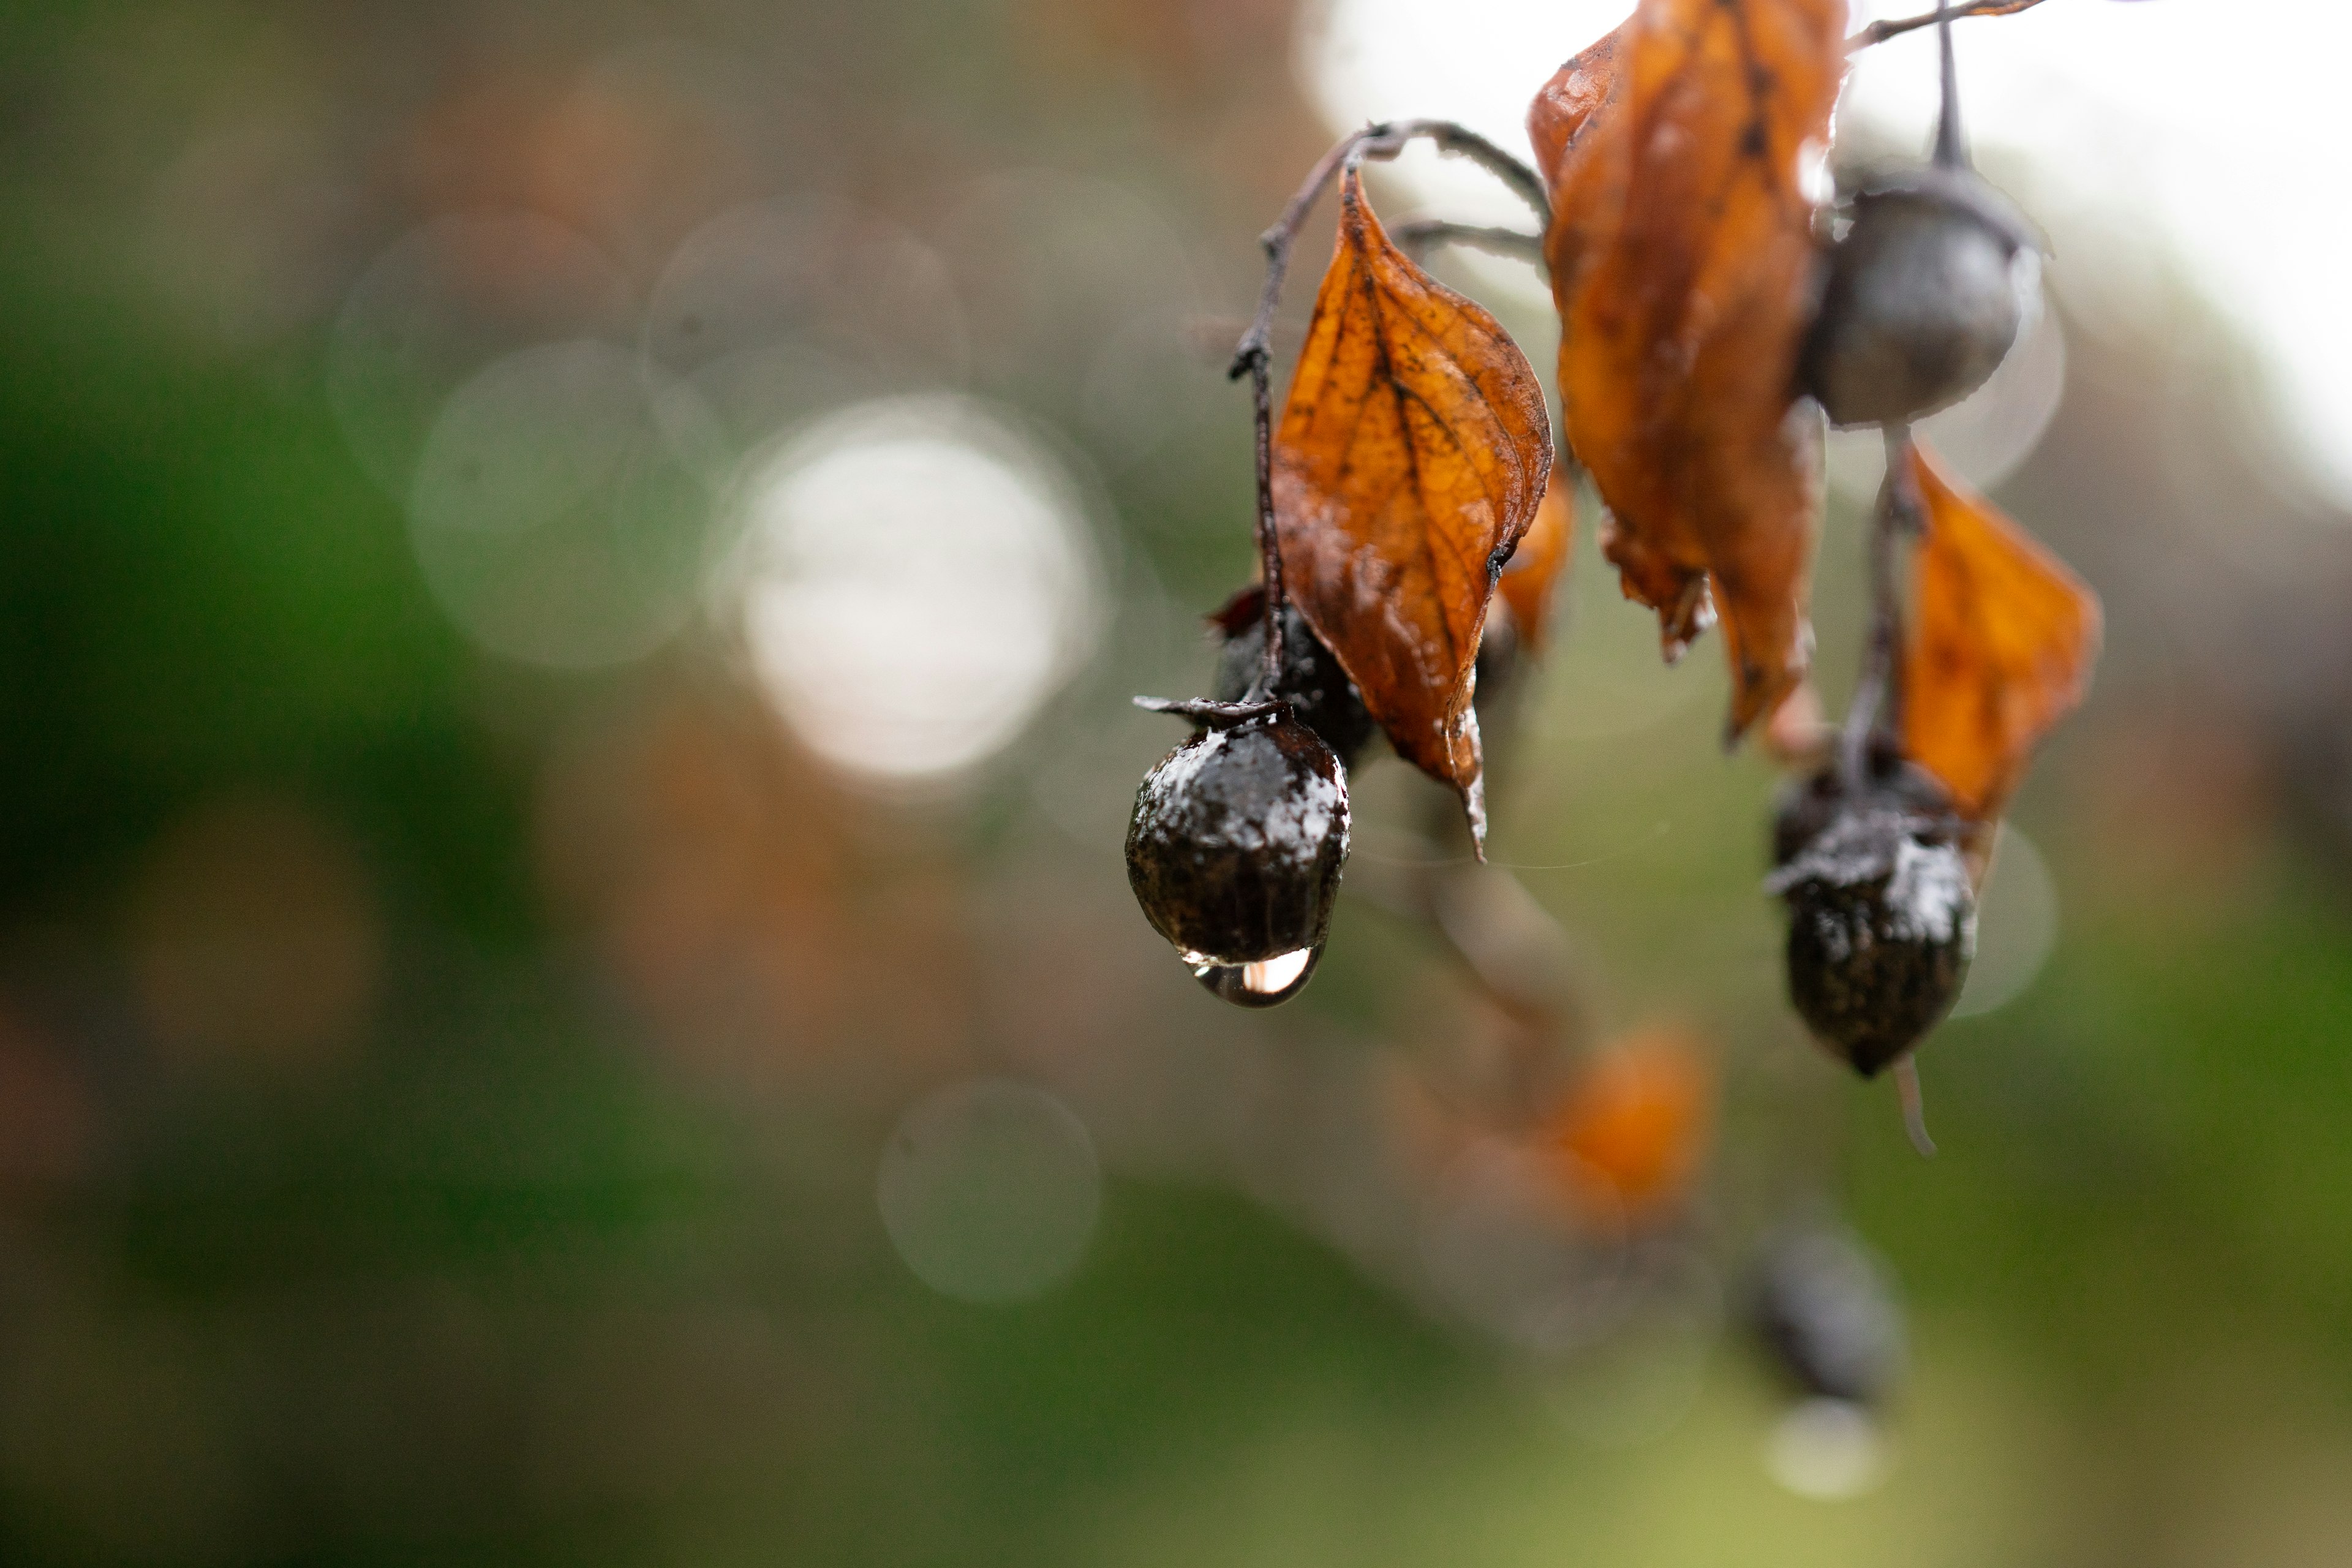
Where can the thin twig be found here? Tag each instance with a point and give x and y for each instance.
(1879, 32)
(1269, 543)
(1253, 355)
(1416, 239)
(1462, 142)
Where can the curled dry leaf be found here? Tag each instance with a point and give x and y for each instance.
(2002, 640)
(1633, 1131)
(1532, 575)
(1681, 259)
(1411, 457)
(1568, 100)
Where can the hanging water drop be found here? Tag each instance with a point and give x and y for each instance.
(1265, 983)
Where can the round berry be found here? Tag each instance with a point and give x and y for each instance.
(1921, 302)
(1827, 1315)
(1237, 841)
(1881, 916)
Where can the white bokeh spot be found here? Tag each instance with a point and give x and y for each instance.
(915, 579)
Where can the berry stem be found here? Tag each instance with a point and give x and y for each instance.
(1878, 695)
(1949, 152)
(1253, 355)
(1269, 541)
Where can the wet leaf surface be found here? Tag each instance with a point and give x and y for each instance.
(1411, 457)
(1682, 257)
(2002, 640)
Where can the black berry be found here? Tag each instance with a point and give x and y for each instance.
(1828, 1319)
(1235, 850)
(1881, 916)
(1310, 679)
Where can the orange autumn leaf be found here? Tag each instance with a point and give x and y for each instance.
(1682, 254)
(1634, 1128)
(1567, 102)
(1412, 454)
(1532, 575)
(2002, 640)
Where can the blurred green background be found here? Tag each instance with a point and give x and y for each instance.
(489, 1056)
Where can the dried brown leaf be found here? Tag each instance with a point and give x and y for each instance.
(1412, 454)
(2001, 643)
(1682, 255)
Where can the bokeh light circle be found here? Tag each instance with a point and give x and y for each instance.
(990, 1190)
(548, 516)
(915, 579)
(2017, 925)
(773, 312)
(443, 302)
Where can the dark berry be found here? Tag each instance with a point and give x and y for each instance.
(1824, 1312)
(1921, 301)
(1881, 917)
(1311, 680)
(1237, 842)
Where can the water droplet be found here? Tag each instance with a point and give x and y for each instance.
(1265, 983)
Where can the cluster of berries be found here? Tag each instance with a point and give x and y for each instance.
(1922, 297)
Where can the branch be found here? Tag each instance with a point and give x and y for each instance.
(1879, 32)
(1253, 355)
(1416, 239)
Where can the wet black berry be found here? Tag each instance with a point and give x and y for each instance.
(1921, 301)
(1826, 1316)
(1881, 917)
(1235, 848)
(1311, 680)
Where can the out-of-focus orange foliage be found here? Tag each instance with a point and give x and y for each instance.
(2001, 643)
(1532, 575)
(1634, 1129)
(1411, 457)
(1681, 252)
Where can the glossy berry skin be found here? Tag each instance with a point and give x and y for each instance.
(1311, 680)
(1881, 916)
(1237, 841)
(1920, 303)
(1824, 1312)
